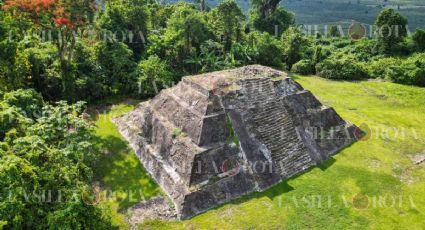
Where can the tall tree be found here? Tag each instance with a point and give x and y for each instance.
(293, 44)
(226, 20)
(65, 18)
(129, 21)
(186, 30)
(391, 29)
(269, 16)
(419, 39)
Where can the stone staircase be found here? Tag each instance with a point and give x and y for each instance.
(274, 127)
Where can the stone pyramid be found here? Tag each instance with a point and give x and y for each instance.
(218, 136)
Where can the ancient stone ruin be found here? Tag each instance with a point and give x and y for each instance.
(218, 136)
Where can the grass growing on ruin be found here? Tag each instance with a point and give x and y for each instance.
(122, 178)
(373, 184)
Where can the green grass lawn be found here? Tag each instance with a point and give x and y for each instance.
(373, 184)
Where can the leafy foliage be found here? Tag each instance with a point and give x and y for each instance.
(154, 75)
(129, 21)
(226, 20)
(341, 68)
(117, 68)
(391, 29)
(50, 153)
(50, 147)
(410, 72)
(265, 49)
(304, 67)
(294, 42)
(274, 20)
(419, 39)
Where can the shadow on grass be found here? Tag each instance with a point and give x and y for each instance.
(120, 172)
(326, 164)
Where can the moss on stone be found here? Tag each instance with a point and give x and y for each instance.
(233, 138)
(176, 132)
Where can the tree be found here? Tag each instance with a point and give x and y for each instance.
(67, 16)
(294, 42)
(159, 15)
(45, 73)
(391, 29)
(14, 66)
(154, 75)
(54, 151)
(212, 56)
(264, 49)
(117, 67)
(334, 31)
(202, 5)
(186, 31)
(318, 55)
(265, 8)
(189, 26)
(226, 20)
(268, 16)
(129, 21)
(419, 40)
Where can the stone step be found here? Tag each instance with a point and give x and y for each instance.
(164, 144)
(277, 130)
(279, 119)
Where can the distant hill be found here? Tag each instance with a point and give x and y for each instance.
(320, 12)
(365, 11)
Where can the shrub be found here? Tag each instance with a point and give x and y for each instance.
(410, 72)
(379, 68)
(419, 40)
(10, 118)
(344, 68)
(176, 132)
(28, 102)
(55, 152)
(304, 67)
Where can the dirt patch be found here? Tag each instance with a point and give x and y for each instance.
(374, 163)
(418, 159)
(158, 208)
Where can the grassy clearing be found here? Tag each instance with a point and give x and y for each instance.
(372, 184)
(122, 178)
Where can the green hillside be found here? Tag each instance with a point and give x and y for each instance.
(365, 11)
(319, 12)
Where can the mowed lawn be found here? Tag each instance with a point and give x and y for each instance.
(373, 184)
